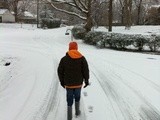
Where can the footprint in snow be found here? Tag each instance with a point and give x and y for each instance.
(85, 94)
(90, 109)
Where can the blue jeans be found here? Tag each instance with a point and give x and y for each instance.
(73, 93)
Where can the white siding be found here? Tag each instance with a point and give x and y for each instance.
(8, 17)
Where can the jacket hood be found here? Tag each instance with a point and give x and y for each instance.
(74, 54)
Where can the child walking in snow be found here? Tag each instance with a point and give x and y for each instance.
(72, 72)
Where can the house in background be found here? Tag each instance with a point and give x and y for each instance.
(6, 16)
(27, 17)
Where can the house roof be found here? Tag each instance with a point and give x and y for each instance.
(2, 11)
(156, 6)
(28, 14)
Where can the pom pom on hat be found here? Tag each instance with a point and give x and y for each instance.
(73, 46)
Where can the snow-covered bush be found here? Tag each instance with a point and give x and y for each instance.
(79, 32)
(89, 37)
(154, 42)
(140, 41)
(50, 23)
(93, 37)
(105, 41)
(157, 39)
(122, 41)
(98, 40)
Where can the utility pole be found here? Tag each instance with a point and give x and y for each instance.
(37, 13)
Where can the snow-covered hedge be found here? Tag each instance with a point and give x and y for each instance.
(50, 23)
(79, 32)
(120, 41)
(140, 41)
(154, 42)
(123, 41)
(94, 37)
(157, 43)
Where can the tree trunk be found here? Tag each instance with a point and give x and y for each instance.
(122, 17)
(89, 21)
(122, 11)
(89, 24)
(128, 15)
(110, 15)
(15, 5)
(139, 12)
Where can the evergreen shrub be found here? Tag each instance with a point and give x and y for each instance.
(140, 41)
(157, 39)
(79, 32)
(154, 42)
(122, 41)
(50, 23)
(93, 37)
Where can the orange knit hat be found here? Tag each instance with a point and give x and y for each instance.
(73, 46)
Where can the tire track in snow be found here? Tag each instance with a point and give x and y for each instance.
(19, 75)
(52, 95)
(155, 86)
(54, 100)
(26, 101)
(154, 114)
(52, 91)
(53, 107)
(28, 48)
(109, 89)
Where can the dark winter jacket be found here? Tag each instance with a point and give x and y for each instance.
(73, 69)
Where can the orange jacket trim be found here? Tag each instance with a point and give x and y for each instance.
(74, 54)
(76, 86)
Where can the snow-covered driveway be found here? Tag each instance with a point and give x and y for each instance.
(124, 86)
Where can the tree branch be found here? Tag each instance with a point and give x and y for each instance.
(79, 7)
(83, 5)
(65, 11)
(63, 2)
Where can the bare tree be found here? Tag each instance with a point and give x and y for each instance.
(92, 11)
(83, 9)
(128, 13)
(138, 4)
(100, 12)
(153, 16)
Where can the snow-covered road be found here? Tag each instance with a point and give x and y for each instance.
(124, 86)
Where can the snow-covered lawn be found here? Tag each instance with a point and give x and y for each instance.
(124, 85)
(145, 30)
